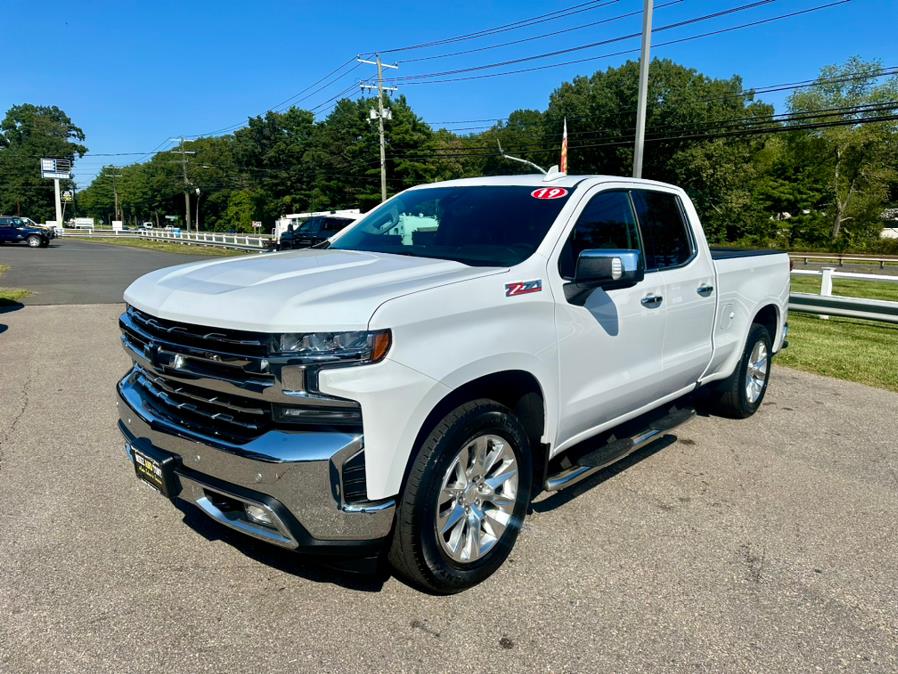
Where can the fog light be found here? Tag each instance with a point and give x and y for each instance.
(259, 515)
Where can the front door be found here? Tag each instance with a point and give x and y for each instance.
(673, 251)
(610, 347)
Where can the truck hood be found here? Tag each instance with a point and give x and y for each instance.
(296, 291)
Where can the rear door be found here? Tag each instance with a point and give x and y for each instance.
(688, 276)
(610, 347)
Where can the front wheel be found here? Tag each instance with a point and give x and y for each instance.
(33, 241)
(465, 499)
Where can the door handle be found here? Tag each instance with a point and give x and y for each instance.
(705, 289)
(652, 301)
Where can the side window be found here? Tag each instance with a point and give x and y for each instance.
(664, 229)
(606, 222)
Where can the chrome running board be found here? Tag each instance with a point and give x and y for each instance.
(593, 460)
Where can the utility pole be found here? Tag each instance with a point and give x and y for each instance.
(115, 194)
(183, 162)
(648, 7)
(381, 113)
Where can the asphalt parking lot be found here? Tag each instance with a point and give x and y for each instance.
(78, 272)
(760, 545)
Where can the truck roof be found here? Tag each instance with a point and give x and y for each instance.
(539, 180)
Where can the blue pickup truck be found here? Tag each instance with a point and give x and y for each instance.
(14, 229)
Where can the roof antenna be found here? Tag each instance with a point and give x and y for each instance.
(523, 161)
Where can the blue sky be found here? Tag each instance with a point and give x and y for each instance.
(134, 74)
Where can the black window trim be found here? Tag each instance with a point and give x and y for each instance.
(586, 201)
(687, 224)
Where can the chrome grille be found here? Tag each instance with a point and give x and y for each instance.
(211, 416)
(209, 381)
(231, 342)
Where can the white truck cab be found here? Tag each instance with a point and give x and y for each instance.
(414, 383)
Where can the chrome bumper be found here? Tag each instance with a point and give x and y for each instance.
(294, 475)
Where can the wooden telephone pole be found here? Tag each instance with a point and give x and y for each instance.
(381, 114)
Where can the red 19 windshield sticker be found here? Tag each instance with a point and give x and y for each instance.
(549, 193)
(523, 287)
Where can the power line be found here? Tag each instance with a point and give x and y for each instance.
(590, 45)
(784, 120)
(538, 37)
(742, 93)
(522, 23)
(295, 97)
(698, 36)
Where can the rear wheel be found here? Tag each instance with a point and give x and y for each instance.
(741, 394)
(464, 500)
(33, 241)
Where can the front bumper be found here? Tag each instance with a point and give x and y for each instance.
(294, 476)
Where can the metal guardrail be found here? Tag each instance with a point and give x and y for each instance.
(851, 307)
(841, 259)
(825, 304)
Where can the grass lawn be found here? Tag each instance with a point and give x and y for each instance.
(165, 246)
(845, 348)
(10, 295)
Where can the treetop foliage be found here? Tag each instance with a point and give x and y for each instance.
(818, 175)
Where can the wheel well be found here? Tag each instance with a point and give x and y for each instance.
(519, 391)
(769, 318)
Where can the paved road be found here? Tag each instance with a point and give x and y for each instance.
(75, 272)
(760, 545)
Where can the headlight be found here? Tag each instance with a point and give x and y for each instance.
(358, 346)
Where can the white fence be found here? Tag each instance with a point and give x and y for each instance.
(825, 304)
(239, 241)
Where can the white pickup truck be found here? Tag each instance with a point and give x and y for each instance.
(411, 384)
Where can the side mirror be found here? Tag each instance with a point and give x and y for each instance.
(605, 268)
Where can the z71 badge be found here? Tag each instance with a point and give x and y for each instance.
(523, 287)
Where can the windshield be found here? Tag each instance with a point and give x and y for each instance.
(311, 226)
(490, 226)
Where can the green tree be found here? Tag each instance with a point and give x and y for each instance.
(28, 133)
(859, 158)
(683, 105)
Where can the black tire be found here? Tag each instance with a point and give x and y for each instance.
(415, 552)
(33, 241)
(730, 396)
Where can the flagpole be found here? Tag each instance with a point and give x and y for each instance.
(563, 162)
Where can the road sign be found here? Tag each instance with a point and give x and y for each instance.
(257, 224)
(59, 169)
(67, 196)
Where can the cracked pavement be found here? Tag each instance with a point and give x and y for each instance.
(767, 544)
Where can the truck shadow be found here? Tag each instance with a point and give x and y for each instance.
(361, 575)
(565, 496)
(8, 306)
